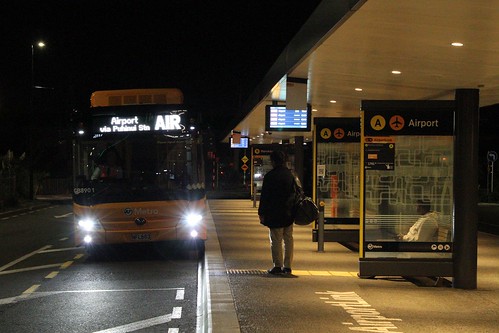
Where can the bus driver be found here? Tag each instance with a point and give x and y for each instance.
(109, 166)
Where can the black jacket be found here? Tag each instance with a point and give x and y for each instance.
(276, 200)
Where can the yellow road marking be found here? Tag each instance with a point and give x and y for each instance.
(52, 275)
(320, 273)
(66, 264)
(78, 256)
(31, 289)
(298, 272)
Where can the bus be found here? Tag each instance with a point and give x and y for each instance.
(138, 171)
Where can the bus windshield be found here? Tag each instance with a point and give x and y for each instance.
(140, 167)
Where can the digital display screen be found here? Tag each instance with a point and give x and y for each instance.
(278, 118)
(172, 121)
(243, 143)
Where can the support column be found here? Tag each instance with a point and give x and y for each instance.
(299, 156)
(466, 189)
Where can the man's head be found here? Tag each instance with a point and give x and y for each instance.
(424, 206)
(278, 158)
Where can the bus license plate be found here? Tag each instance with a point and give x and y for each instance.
(141, 236)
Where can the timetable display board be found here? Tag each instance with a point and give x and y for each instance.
(278, 118)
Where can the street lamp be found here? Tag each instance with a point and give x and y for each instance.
(41, 45)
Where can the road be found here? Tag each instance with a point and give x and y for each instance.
(48, 285)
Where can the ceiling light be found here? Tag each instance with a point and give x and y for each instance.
(396, 72)
(314, 110)
(332, 101)
(457, 44)
(358, 89)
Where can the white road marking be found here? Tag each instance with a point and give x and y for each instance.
(177, 312)
(63, 239)
(12, 263)
(138, 325)
(62, 249)
(27, 269)
(39, 294)
(180, 294)
(173, 330)
(62, 216)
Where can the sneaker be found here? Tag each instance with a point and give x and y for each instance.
(275, 270)
(286, 270)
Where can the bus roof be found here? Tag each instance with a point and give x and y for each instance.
(136, 97)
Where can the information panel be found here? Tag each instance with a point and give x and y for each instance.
(278, 118)
(407, 179)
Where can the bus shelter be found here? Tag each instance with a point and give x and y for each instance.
(336, 180)
(407, 205)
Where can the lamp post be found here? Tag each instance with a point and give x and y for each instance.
(40, 45)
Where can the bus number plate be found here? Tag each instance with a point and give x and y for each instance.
(141, 236)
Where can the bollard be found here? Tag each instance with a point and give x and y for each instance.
(320, 228)
(254, 195)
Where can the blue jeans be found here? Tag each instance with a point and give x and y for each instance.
(277, 236)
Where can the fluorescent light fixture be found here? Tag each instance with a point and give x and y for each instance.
(332, 101)
(396, 72)
(358, 89)
(457, 44)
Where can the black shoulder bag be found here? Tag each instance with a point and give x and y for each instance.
(305, 210)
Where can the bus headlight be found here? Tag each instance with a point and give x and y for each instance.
(193, 219)
(88, 224)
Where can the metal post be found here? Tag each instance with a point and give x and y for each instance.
(254, 195)
(492, 178)
(320, 228)
(30, 125)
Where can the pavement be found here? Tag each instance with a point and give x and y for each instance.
(23, 207)
(324, 293)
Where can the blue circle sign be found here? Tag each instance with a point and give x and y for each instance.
(492, 156)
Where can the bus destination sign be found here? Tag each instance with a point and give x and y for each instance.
(172, 122)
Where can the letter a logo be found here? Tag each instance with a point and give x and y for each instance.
(378, 123)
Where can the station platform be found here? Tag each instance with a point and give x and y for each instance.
(324, 293)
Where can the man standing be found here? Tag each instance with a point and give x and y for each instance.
(275, 212)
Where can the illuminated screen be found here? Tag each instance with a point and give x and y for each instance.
(242, 144)
(277, 118)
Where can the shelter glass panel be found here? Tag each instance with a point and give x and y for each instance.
(409, 198)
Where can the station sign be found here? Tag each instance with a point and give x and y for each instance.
(337, 130)
(417, 122)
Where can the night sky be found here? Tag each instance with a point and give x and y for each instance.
(215, 51)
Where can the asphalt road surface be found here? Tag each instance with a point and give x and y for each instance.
(49, 285)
